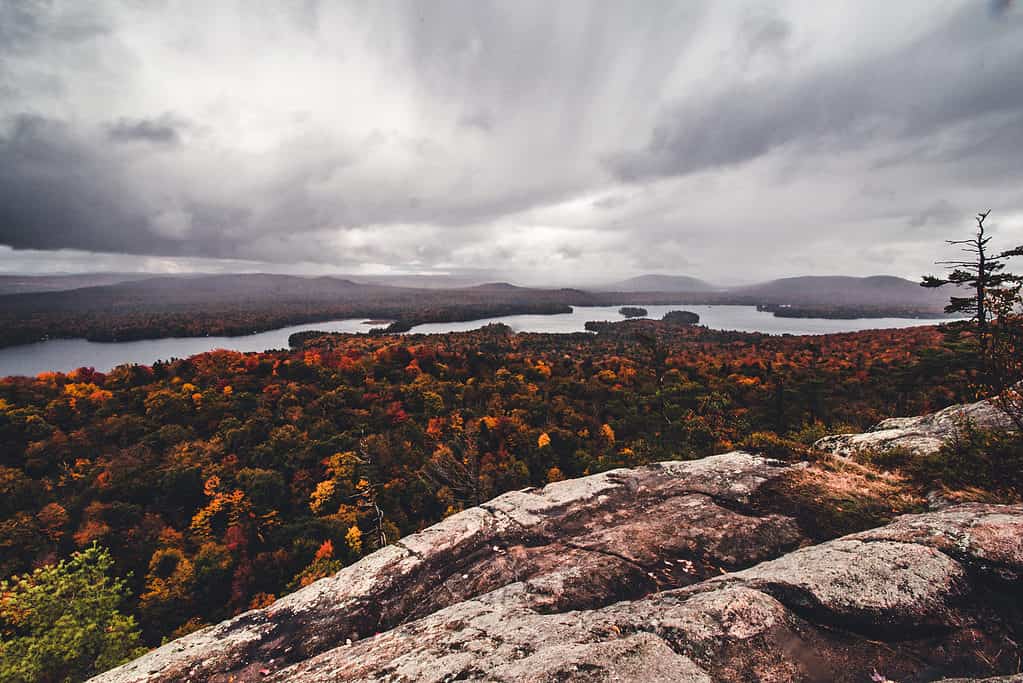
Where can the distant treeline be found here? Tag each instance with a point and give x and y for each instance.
(244, 304)
(850, 312)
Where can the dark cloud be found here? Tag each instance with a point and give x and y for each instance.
(965, 69)
(1000, 7)
(55, 194)
(162, 130)
(59, 190)
(941, 212)
(20, 24)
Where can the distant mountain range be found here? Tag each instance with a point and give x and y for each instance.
(826, 290)
(197, 305)
(227, 288)
(662, 283)
(420, 281)
(21, 284)
(836, 290)
(68, 292)
(254, 291)
(18, 284)
(497, 286)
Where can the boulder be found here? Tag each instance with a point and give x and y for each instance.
(923, 434)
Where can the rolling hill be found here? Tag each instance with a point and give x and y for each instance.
(19, 284)
(662, 283)
(835, 290)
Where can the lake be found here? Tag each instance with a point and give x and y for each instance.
(740, 318)
(63, 355)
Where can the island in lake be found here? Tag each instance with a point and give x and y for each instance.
(681, 318)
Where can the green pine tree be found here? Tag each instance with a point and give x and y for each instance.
(62, 622)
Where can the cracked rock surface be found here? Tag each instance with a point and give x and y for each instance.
(680, 571)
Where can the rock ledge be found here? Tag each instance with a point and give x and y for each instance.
(680, 571)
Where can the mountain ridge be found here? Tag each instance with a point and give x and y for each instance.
(843, 290)
(661, 283)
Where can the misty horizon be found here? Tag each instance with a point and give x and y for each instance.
(444, 280)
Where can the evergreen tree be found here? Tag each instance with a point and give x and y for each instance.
(982, 272)
(994, 310)
(62, 622)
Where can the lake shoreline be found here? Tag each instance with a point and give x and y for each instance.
(64, 355)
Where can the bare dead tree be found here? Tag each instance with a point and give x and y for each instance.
(458, 466)
(366, 500)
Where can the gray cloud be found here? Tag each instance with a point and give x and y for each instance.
(613, 201)
(161, 130)
(27, 25)
(575, 139)
(763, 31)
(55, 193)
(941, 212)
(963, 70)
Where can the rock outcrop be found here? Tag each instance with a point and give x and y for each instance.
(922, 434)
(680, 571)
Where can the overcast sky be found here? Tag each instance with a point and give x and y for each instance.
(547, 141)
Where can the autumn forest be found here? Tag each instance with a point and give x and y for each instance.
(223, 481)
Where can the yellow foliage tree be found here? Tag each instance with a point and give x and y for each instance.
(607, 433)
(555, 474)
(353, 539)
(322, 497)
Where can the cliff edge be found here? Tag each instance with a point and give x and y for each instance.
(711, 570)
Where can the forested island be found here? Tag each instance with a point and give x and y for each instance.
(681, 318)
(849, 312)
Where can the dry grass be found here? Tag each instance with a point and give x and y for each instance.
(833, 496)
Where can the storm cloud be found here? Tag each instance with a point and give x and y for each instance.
(556, 142)
(959, 72)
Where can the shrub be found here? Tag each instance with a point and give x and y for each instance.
(774, 446)
(973, 457)
(969, 458)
